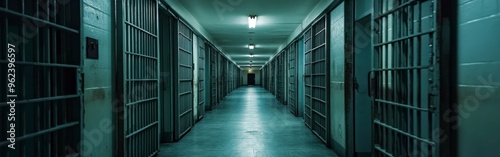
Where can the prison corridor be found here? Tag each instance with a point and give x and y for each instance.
(249, 122)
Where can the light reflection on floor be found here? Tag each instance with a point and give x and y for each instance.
(249, 122)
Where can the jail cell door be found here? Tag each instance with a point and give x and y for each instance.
(274, 68)
(184, 101)
(201, 78)
(308, 78)
(280, 77)
(404, 82)
(213, 77)
(40, 68)
(224, 76)
(292, 79)
(140, 78)
(318, 85)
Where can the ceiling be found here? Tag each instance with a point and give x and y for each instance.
(227, 22)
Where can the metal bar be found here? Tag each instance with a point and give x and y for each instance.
(141, 55)
(402, 68)
(140, 80)
(3, 104)
(376, 121)
(142, 101)
(320, 125)
(404, 38)
(141, 29)
(185, 93)
(186, 36)
(185, 112)
(317, 135)
(141, 130)
(394, 9)
(42, 64)
(39, 20)
(318, 61)
(377, 147)
(320, 114)
(186, 51)
(42, 132)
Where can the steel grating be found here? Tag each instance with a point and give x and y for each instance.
(46, 77)
(213, 78)
(184, 100)
(201, 78)
(316, 79)
(292, 79)
(405, 78)
(139, 45)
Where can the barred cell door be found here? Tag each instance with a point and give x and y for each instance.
(316, 80)
(41, 78)
(279, 76)
(404, 86)
(224, 76)
(320, 82)
(307, 78)
(184, 73)
(292, 79)
(220, 80)
(138, 43)
(201, 78)
(273, 76)
(213, 77)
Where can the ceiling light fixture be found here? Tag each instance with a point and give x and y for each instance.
(251, 46)
(252, 21)
(251, 55)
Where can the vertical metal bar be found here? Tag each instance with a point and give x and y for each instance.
(419, 79)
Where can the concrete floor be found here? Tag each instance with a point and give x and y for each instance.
(249, 122)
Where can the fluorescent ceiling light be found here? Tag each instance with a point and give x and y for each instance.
(252, 21)
(251, 46)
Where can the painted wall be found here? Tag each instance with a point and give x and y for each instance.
(245, 79)
(337, 81)
(98, 130)
(478, 78)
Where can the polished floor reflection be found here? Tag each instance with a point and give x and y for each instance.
(249, 122)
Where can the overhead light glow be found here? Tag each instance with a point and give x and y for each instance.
(251, 46)
(252, 21)
(251, 55)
